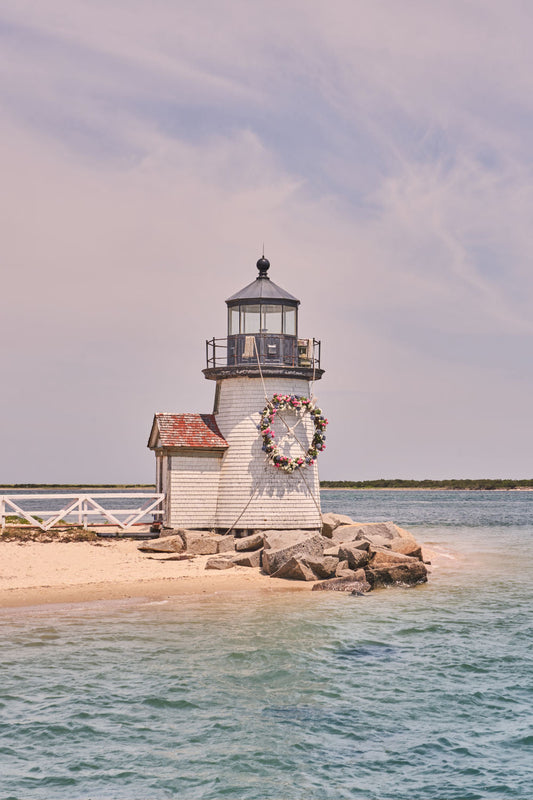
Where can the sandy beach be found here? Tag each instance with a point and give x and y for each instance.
(35, 573)
(38, 573)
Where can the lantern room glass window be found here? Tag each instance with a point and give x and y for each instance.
(251, 319)
(289, 321)
(272, 319)
(233, 321)
(262, 318)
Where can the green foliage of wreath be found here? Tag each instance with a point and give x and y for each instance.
(291, 402)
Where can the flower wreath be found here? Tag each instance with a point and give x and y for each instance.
(292, 402)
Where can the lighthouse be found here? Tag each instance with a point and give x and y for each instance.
(252, 463)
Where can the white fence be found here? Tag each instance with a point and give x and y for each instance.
(80, 506)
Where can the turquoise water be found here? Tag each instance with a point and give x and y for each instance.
(405, 693)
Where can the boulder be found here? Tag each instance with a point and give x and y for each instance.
(386, 530)
(251, 559)
(387, 534)
(356, 558)
(346, 573)
(166, 544)
(406, 549)
(295, 569)
(405, 573)
(219, 563)
(342, 567)
(379, 541)
(253, 542)
(332, 551)
(280, 546)
(380, 534)
(226, 544)
(386, 558)
(356, 582)
(349, 533)
(330, 521)
(406, 543)
(323, 567)
(201, 543)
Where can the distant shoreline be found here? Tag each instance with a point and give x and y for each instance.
(420, 489)
(429, 484)
(452, 485)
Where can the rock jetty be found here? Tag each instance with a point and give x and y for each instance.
(345, 556)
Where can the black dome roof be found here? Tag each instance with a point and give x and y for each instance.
(263, 288)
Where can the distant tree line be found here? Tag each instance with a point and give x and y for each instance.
(452, 483)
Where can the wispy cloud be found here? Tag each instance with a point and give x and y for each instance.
(381, 151)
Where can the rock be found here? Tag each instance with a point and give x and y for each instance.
(387, 534)
(381, 534)
(226, 544)
(406, 543)
(379, 541)
(201, 543)
(219, 563)
(356, 558)
(166, 544)
(295, 569)
(356, 582)
(342, 566)
(387, 530)
(251, 559)
(349, 533)
(280, 546)
(345, 573)
(253, 542)
(330, 521)
(406, 573)
(332, 551)
(407, 548)
(387, 558)
(322, 567)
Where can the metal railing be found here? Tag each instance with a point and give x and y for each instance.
(272, 349)
(80, 506)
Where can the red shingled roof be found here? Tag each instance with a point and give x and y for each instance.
(198, 431)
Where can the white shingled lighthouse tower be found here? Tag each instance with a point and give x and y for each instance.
(251, 464)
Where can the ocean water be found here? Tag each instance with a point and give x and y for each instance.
(404, 693)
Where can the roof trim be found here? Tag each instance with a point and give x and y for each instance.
(263, 289)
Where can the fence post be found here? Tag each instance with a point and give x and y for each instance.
(2, 512)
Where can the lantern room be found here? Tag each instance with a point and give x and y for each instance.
(262, 331)
(262, 322)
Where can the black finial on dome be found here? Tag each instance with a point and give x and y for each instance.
(263, 265)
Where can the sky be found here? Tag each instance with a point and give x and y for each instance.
(381, 150)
